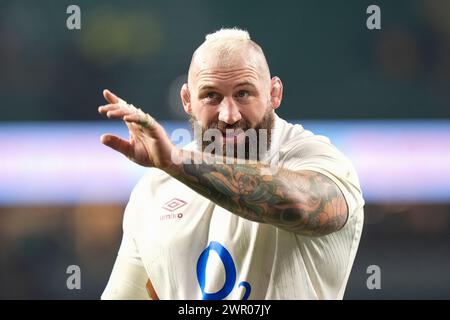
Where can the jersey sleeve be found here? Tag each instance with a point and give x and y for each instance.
(128, 247)
(128, 278)
(316, 153)
(127, 281)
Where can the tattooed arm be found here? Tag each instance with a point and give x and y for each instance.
(304, 202)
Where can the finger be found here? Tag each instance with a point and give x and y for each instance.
(110, 97)
(118, 114)
(142, 119)
(117, 144)
(134, 117)
(109, 107)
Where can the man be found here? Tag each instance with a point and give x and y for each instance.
(283, 225)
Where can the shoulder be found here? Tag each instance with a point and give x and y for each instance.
(304, 150)
(143, 196)
(151, 178)
(296, 141)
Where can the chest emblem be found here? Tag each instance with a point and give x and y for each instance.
(230, 273)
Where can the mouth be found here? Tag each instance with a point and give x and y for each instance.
(233, 136)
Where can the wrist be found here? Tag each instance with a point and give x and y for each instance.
(173, 167)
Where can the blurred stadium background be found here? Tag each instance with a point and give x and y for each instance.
(383, 97)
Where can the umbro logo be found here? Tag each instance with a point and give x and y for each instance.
(174, 204)
(171, 206)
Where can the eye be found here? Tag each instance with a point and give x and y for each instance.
(243, 94)
(212, 95)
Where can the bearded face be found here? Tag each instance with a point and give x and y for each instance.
(230, 98)
(239, 140)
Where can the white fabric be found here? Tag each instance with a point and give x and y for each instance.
(269, 263)
(127, 281)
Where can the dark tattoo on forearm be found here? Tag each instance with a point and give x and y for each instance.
(304, 202)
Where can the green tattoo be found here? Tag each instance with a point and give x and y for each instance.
(304, 202)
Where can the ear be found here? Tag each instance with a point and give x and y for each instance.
(276, 92)
(186, 98)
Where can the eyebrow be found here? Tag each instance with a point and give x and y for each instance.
(206, 87)
(211, 87)
(246, 83)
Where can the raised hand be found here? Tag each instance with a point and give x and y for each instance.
(148, 144)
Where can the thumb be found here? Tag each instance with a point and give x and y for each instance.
(117, 144)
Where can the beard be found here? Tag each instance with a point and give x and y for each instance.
(262, 130)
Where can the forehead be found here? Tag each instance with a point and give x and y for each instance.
(220, 76)
(213, 68)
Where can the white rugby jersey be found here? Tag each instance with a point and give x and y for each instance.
(191, 248)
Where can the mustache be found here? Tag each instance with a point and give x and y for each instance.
(222, 126)
(266, 124)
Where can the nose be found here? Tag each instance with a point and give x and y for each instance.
(229, 111)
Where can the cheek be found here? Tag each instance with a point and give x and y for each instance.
(254, 112)
(205, 114)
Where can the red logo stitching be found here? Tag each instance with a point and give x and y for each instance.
(174, 204)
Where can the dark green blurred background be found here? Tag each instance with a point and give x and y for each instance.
(331, 65)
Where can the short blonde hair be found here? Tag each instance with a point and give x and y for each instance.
(226, 42)
(227, 34)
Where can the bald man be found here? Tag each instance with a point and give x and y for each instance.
(282, 223)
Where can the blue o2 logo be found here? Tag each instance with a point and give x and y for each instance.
(230, 273)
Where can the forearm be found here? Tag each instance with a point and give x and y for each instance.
(303, 202)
